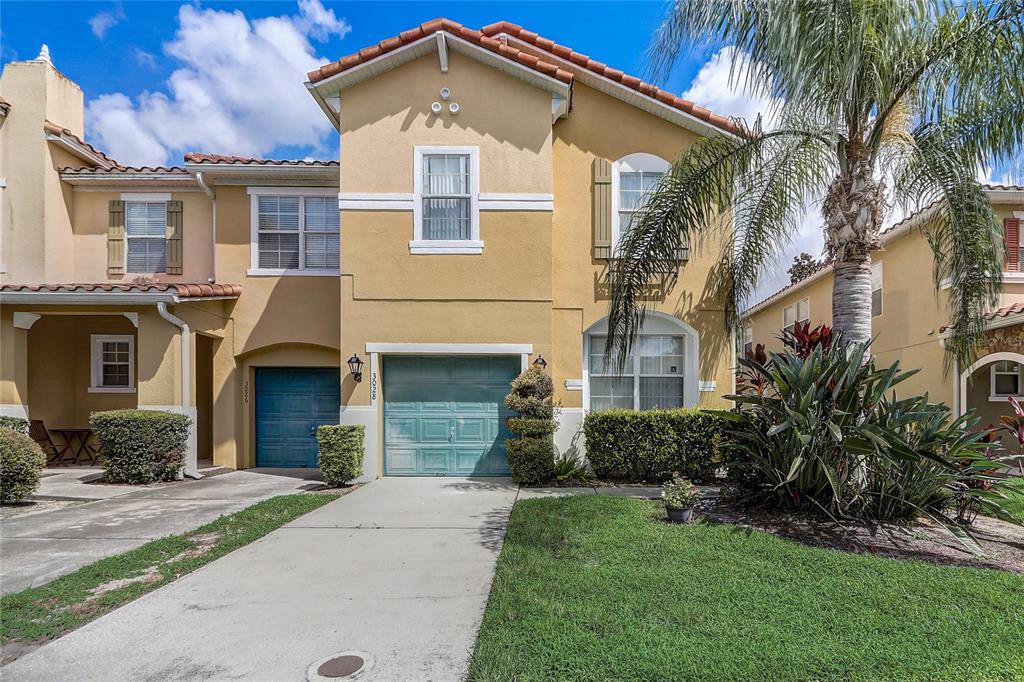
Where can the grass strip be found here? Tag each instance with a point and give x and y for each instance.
(54, 609)
(601, 588)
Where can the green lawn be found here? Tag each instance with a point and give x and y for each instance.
(600, 588)
(73, 600)
(1015, 505)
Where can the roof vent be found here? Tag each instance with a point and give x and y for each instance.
(44, 55)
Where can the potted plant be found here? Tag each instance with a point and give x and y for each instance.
(680, 496)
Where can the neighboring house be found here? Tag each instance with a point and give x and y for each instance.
(910, 316)
(485, 177)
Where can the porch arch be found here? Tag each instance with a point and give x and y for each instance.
(975, 366)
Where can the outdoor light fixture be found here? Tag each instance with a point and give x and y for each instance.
(540, 362)
(355, 365)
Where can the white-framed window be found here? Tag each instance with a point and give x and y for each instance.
(748, 341)
(633, 177)
(145, 229)
(797, 312)
(660, 372)
(295, 231)
(446, 201)
(112, 363)
(1006, 380)
(876, 289)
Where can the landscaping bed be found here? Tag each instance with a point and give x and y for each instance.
(601, 587)
(32, 617)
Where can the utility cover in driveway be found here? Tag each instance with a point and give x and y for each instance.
(290, 403)
(446, 415)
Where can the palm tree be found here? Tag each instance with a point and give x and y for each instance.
(880, 103)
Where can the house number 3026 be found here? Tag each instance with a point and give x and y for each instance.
(373, 386)
(245, 392)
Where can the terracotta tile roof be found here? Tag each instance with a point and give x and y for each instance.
(182, 290)
(602, 69)
(125, 170)
(60, 131)
(1005, 311)
(428, 28)
(199, 157)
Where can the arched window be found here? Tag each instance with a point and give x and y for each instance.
(633, 177)
(660, 373)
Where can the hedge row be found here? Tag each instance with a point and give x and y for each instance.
(341, 452)
(140, 446)
(653, 445)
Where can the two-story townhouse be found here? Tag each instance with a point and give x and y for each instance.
(484, 179)
(910, 316)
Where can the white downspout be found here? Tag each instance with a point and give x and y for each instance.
(213, 225)
(191, 454)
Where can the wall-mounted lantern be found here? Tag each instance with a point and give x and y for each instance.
(540, 362)
(355, 366)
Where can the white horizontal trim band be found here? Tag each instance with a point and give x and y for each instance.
(451, 348)
(357, 201)
(437, 246)
(268, 272)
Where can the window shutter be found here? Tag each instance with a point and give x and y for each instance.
(115, 238)
(1011, 228)
(602, 208)
(173, 238)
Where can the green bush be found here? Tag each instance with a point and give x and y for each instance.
(653, 445)
(341, 453)
(14, 424)
(21, 463)
(531, 456)
(140, 446)
(828, 433)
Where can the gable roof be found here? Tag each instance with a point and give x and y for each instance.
(554, 60)
(75, 145)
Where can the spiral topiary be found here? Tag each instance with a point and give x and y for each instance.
(531, 456)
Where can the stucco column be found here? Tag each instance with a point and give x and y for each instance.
(14, 363)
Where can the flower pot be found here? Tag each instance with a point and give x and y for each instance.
(680, 515)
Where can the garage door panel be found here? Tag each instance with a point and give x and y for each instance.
(457, 401)
(290, 403)
(402, 460)
(401, 429)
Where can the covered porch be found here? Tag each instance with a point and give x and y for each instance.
(67, 351)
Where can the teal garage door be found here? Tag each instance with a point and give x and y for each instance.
(445, 416)
(290, 403)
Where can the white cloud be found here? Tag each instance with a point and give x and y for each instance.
(144, 58)
(239, 89)
(104, 21)
(713, 89)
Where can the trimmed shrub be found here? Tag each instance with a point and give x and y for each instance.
(531, 456)
(21, 463)
(140, 446)
(341, 452)
(14, 424)
(654, 445)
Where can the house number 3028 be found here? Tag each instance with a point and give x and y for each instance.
(245, 392)
(373, 386)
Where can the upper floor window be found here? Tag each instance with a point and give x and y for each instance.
(295, 231)
(748, 341)
(446, 191)
(1005, 379)
(113, 363)
(876, 289)
(633, 178)
(145, 224)
(797, 312)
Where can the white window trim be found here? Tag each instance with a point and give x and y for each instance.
(748, 338)
(796, 306)
(881, 288)
(420, 246)
(254, 224)
(1004, 397)
(640, 162)
(655, 324)
(143, 198)
(96, 342)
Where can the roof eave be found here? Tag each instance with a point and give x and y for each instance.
(78, 150)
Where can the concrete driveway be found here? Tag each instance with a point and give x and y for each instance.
(37, 548)
(400, 568)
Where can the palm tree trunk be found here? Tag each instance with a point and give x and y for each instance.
(853, 210)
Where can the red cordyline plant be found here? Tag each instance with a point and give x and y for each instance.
(750, 379)
(1014, 424)
(803, 340)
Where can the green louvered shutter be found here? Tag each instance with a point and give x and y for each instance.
(602, 208)
(173, 238)
(115, 237)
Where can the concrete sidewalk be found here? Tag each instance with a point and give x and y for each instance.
(400, 568)
(36, 548)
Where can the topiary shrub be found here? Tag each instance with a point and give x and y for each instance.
(21, 464)
(14, 424)
(531, 456)
(140, 446)
(653, 445)
(341, 452)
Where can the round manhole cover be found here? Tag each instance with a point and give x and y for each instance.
(346, 665)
